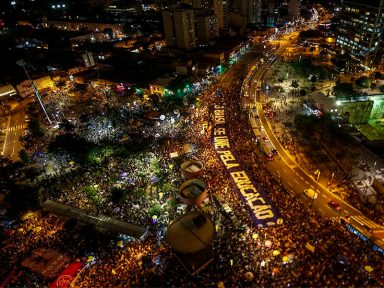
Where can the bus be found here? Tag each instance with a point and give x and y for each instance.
(375, 243)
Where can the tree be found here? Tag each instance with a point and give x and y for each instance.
(155, 99)
(24, 156)
(35, 128)
(364, 82)
(117, 195)
(382, 88)
(378, 75)
(27, 193)
(79, 148)
(66, 125)
(157, 210)
(303, 92)
(324, 74)
(343, 90)
(92, 194)
(294, 84)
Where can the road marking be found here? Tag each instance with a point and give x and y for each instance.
(322, 211)
(297, 181)
(17, 127)
(290, 184)
(365, 221)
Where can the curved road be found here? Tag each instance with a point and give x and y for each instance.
(294, 177)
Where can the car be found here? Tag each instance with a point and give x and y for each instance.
(310, 193)
(265, 139)
(274, 152)
(269, 157)
(334, 205)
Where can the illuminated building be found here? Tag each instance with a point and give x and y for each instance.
(179, 28)
(205, 5)
(251, 9)
(360, 28)
(294, 9)
(206, 28)
(220, 8)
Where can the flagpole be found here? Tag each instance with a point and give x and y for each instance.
(35, 90)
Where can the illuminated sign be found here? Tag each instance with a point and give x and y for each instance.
(261, 209)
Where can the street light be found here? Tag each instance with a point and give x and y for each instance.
(22, 64)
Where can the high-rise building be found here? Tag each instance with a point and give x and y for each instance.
(294, 9)
(360, 28)
(205, 5)
(220, 8)
(179, 28)
(270, 5)
(251, 9)
(206, 28)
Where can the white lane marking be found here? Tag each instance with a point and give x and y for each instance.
(17, 127)
(322, 211)
(366, 221)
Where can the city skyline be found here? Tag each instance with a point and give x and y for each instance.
(194, 143)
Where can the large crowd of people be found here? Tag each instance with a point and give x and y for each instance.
(306, 250)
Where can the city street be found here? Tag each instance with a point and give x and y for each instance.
(190, 145)
(294, 177)
(15, 129)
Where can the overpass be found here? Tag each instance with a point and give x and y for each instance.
(99, 221)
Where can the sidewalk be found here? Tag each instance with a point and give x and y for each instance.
(286, 108)
(350, 178)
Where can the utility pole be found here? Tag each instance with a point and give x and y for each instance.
(22, 64)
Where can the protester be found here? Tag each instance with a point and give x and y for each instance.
(277, 256)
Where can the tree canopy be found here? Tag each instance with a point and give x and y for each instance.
(364, 82)
(343, 90)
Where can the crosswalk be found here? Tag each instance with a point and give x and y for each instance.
(363, 222)
(16, 127)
